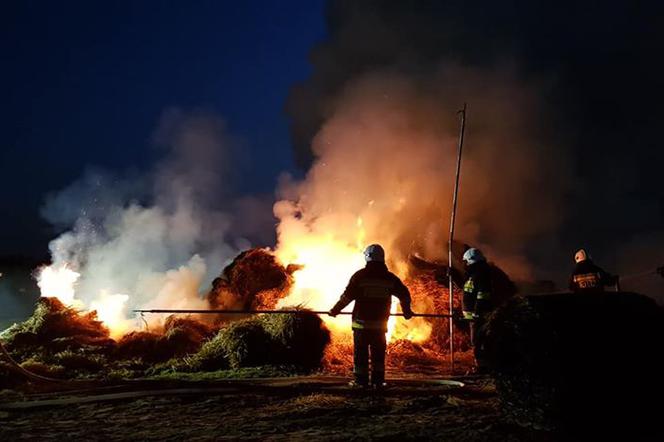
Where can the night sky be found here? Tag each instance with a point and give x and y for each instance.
(84, 84)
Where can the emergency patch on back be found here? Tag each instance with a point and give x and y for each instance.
(587, 280)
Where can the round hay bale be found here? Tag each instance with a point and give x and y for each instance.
(251, 272)
(240, 344)
(301, 338)
(582, 364)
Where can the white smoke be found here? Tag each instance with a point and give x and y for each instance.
(158, 238)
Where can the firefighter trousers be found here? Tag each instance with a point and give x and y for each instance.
(477, 333)
(365, 342)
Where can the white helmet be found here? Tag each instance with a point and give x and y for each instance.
(472, 256)
(581, 255)
(374, 252)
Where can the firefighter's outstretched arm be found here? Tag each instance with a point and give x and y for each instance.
(346, 298)
(403, 294)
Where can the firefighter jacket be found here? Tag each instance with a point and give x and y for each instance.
(372, 289)
(477, 291)
(590, 278)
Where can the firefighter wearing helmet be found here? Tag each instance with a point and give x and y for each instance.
(372, 289)
(477, 303)
(588, 277)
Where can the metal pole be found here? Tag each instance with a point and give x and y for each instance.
(452, 222)
(270, 312)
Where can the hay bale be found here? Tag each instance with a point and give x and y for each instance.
(300, 338)
(579, 363)
(297, 339)
(240, 344)
(242, 283)
(140, 345)
(53, 327)
(183, 336)
(179, 337)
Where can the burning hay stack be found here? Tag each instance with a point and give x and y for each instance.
(179, 337)
(55, 327)
(60, 341)
(254, 279)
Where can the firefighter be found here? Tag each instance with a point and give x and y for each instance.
(372, 289)
(587, 277)
(477, 303)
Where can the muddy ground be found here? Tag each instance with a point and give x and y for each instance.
(312, 408)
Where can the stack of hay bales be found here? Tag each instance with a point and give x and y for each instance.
(587, 365)
(294, 339)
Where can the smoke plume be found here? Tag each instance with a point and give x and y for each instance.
(555, 154)
(385, 153)
(154, 239)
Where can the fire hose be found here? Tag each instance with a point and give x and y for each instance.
(27, 373)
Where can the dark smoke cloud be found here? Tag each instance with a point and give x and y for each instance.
(595, 71)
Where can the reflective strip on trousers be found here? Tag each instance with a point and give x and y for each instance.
(359, 324)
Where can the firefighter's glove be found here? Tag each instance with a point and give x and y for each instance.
(408, 314)
(468, 316)
(333, 313)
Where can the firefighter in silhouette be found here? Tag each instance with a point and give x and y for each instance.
(372, 289)
(477, 302)
(588, 277)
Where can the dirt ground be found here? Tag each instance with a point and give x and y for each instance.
(302, 408)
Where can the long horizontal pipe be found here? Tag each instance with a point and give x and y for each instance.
(273, 312)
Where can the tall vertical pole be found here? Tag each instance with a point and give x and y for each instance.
(452, 222)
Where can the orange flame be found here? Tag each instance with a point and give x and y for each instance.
(327, 265)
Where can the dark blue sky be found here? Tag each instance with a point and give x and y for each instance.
(84, 83)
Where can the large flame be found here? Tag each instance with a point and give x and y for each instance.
(60, 282)
(327, 265)
(111, 311)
